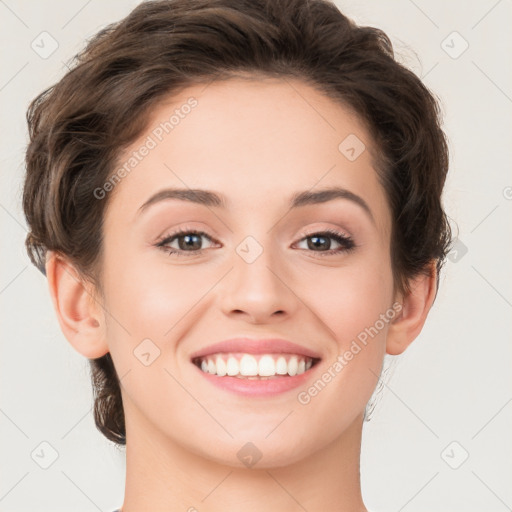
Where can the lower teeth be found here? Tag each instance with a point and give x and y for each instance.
(257, 377)
(253, 377)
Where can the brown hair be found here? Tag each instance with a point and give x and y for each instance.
(80, 125)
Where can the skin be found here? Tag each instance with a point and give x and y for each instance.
(257, 142)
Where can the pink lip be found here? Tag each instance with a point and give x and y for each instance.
(253, 346)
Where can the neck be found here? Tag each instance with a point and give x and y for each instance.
(162, 475)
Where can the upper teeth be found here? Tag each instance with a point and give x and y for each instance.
(266, 365)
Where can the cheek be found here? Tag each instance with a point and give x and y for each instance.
(352, 298)
(354, 311)
(149, 299)
(355, 305)
(148, 307)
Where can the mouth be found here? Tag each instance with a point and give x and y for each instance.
(246, 366)
(256, 367)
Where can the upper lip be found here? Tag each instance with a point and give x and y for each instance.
(255, 346)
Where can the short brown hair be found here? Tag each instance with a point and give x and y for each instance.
(79, 126)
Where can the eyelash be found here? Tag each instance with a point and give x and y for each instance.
(345, 241)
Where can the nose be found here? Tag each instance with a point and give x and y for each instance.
(259, 290)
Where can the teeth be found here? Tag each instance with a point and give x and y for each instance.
(281, 366)
(252, 367)
(292, 366)
(248, 365)
(232, 366)
(221, 366)
(266, 366)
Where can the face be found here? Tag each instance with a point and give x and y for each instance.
(183, 274)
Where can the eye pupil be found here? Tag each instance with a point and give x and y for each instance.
(188, 240)
(325, 245)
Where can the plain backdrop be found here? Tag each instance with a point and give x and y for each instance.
(439, 438)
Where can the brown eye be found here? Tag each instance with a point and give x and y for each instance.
(321, 242)
(184, 241)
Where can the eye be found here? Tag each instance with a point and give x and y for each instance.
(187, 241)
(322, 241)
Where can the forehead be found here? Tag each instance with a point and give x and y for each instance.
(254, 141)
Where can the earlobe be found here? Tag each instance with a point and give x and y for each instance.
(79, 314)
(416, 305)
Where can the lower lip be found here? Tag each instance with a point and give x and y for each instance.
(255, 387)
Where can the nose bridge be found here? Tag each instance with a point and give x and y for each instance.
(257, 282)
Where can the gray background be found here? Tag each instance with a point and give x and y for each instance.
(450, 394)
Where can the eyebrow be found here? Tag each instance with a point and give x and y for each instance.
(215, 200)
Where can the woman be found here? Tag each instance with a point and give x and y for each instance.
(238, 208)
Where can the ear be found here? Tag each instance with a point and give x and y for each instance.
(415, 307)
(79, 313)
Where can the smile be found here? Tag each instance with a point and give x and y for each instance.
(256, 375)
(254, 366)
